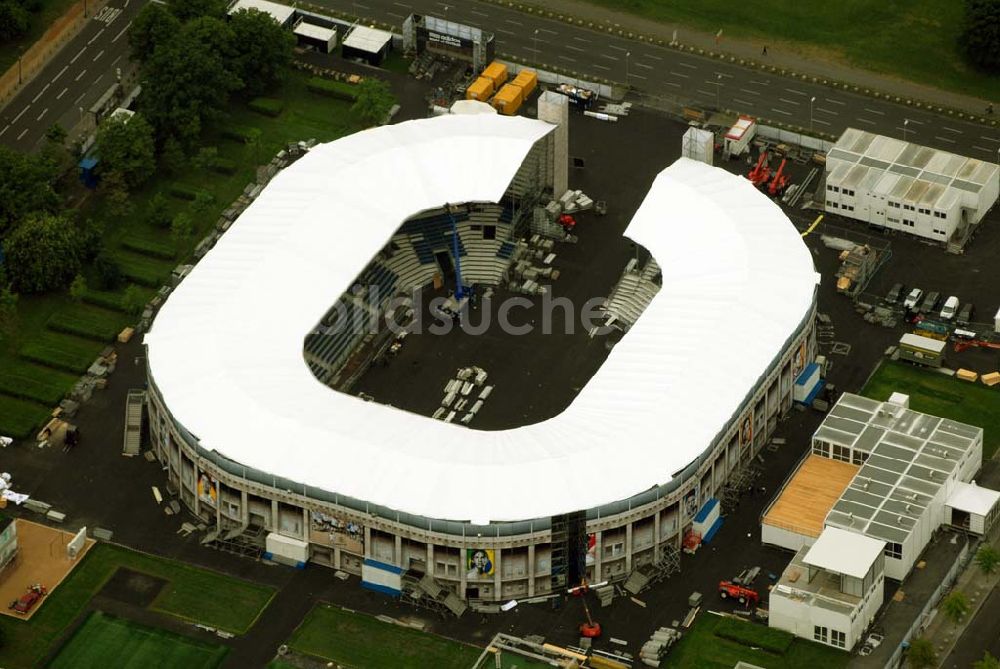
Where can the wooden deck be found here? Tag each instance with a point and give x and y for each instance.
(810, 494)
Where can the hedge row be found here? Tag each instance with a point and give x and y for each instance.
(70, 360)
(224, 166)
(30, 388)
(150, 248)
(143, 271)
(267, 106)
(19, 418)
(237, 133)
(107, 300)
(749, 634)
(182, 191)
(332, 89)
(86, 325)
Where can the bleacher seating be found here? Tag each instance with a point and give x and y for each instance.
(506, 250)
(632, 294)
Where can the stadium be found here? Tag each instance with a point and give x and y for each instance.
(249, 421)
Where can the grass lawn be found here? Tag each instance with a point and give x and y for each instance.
(701, 648)
(940, 395)
(914, 40)
(144, 251)
(40, 22)
(361, 642)
(191, 593)
(105, 641)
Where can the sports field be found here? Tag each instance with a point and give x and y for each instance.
(189, 593)
(360, 641)
(710, 644)
(106, 641)
(940, 395)
(915, 40)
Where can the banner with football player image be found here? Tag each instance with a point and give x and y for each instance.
(746, 433)
(208, 491)
(336, 532)
(479, 563)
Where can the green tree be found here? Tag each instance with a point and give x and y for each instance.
(202, 202)
(14, 21)
(188, 10)
(922, 654)
(42, 254)
(56, 152)
(181, 228)
(158, 213)
(955, 606)
(980, 37)
(56, 134)
(374, 100)
(8, 305)
(988, 662)
(133, 300)
(987, 558)
(205, 158)
(108, 271)
(153, 26)
(114, 190)
(263, 51)
(26, 187)
(188, 80)
(125, 145)
(78, 288)
(252, 145)
(172, 156)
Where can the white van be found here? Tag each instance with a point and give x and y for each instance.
(949, 309)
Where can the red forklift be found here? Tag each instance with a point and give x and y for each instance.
(744, 595)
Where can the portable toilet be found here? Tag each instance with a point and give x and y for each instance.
(497, 73)
(527, 80)
(88, 174)
(508, 100)
(481, 89)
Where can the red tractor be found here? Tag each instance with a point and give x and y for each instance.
(744, 595)
(567, 222)
(27, 601)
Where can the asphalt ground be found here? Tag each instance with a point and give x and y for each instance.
(95, 485)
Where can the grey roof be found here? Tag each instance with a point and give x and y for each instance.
(911, 455)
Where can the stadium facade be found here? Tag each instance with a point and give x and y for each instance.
(250, 438)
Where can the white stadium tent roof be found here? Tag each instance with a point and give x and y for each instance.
(844, 552)
(226, 350)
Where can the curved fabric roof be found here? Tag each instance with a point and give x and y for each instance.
(226, 348)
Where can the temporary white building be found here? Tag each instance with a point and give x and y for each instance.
(226, 349)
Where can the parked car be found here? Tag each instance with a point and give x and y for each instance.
(965, 314)
(895, 293)
(913, 298)
(930, 302)
(950, 308)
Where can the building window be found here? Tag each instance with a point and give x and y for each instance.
(838, 639)
(819, 448)
(893, 204)
(859, 457)
(836, 189)
(849, 207)
(894, 550)
(831, 204)
(820, 634)
(829, 188)
(892, 220)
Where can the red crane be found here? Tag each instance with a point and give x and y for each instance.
(590, 629)
(780, 181)
(761, 171)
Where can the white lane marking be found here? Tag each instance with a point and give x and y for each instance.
(122, 32)
(792, 90)
(913, 120)
(99, 55)
(60, 74)
(513, 22)
(826, 111)
(633, 75)
(617, 48)
(400, 4)
(601, 67)
(4, 130)
(742, 102)
(760, 83)
(678, 74)
(821, 121)
(747, 90)
(23, 132)
(62, 93)
(40, 94)
(781, 111)
(42, 114)
(20, 115)
(531, 48)
(788, 102)
(990, 139)
(80, 76)
(115, 61)
(945, 139)
(575, 48)
(874, 111)
(94, 38)
(864, 120)
(477, 12)
(705, 92)
(671, 83)
(77, 101)
(604, 55)
(581, 39)
(643, 66)
(395, 15)
(78, 54)
(649, 55)
(566, 58)
(506, 32)
(957, 132)
(126, 4)
(546, 30)
(975, 146)
(836, 102)
(688, 65)
(360, 6)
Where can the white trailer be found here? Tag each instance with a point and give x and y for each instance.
(737, 140)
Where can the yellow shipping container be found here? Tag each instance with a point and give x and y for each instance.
(508, 100)
(481, 89)
(497, 73)
(527, 80)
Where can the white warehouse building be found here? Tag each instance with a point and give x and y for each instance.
(898, 185)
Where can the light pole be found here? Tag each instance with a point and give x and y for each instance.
(811, 101)
(536, 45)
(718, 92)
(627, 54)
(906, 122)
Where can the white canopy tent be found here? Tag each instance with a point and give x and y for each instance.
(226, 353)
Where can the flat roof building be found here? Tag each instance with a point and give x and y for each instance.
(282, 14)
(368, 44)
(894, 184)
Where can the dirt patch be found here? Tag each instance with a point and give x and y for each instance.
(133, 587)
